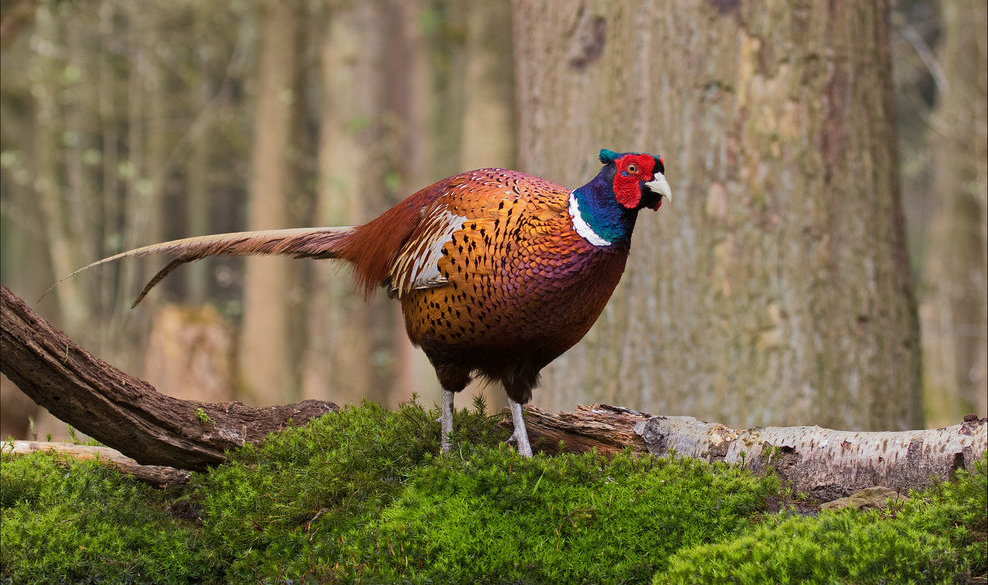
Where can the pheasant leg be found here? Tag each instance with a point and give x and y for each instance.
(520, 435)
(446, 420)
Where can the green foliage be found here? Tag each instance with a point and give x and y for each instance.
(203, 417)
(937, 536)
(494, 517)
(281, 508)
(65, 521)
(363, 497)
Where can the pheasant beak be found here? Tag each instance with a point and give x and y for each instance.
(659, 186)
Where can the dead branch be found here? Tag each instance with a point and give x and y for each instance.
(123, 411)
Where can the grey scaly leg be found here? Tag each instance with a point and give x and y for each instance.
(446, 420)
(520, 435)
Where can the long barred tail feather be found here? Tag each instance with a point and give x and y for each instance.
(312, 242)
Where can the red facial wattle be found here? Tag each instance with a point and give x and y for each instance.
(632, 169)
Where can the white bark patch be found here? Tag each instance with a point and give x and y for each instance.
(825, 463)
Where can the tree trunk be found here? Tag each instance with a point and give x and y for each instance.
(60, 213)
(343, 332)
(108, 88)
(955, 304)
(197, 179)
(774, 288)
(128, 414)
(488, 88)
(190, 353)
(265, 357)
(136, 209)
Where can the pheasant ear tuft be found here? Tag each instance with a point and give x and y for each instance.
(608, 156)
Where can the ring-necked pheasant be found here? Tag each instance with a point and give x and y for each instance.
(497, 272)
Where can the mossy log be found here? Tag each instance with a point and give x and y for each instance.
(128, 414)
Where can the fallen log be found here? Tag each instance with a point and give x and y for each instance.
(823, 463)
(127, 413)
(123, 411)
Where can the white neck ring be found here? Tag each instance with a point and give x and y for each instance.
(582, 227)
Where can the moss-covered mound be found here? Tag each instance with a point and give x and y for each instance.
(361, 497)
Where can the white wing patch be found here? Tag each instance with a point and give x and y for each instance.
(417, 263)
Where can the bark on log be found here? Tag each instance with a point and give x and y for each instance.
(823, 463)
(123, 411)
(127, 413)
(608, 429)
(156, 475)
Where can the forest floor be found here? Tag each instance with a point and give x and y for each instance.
(363, 497)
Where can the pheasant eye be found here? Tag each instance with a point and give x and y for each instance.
(632, 168)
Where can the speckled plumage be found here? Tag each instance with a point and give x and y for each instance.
(497, 272)
(518, 286)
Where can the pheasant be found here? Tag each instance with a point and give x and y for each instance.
(497, 272)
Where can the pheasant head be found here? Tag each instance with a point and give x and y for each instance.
(605, 209)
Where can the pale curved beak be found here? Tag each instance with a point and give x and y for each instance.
(660, 186)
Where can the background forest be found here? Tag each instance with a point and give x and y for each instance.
(823, 260)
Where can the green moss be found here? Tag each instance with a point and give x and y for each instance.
(362, 497)
(937, 536)
(64, 521)
(203, 417)
(493, 517)
(280, 508)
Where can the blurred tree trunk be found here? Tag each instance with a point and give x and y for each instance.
(143, 170)
(62, 213)
(775, 287)
(158, 133)
(212, 75)
(488, 90)
(408, 140)
(108, 81)
(197, 177)
(954, 307)
(340, 357)
(190, 353)
(136, 208)
(265, 369)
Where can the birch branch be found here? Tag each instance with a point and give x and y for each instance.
(823, 463)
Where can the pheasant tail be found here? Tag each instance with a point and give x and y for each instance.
(318, 242)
